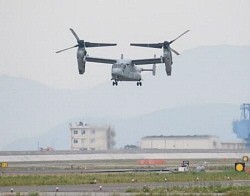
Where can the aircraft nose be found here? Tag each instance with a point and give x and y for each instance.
(116, 71)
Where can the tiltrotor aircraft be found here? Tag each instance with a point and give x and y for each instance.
(123, 69)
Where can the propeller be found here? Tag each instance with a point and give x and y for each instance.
(83, 44)
(178, 37)
(165, 44)
(66, 49)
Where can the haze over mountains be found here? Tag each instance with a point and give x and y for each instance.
(202, 96)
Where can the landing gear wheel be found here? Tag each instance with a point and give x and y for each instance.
(138, 83)
(115, 83)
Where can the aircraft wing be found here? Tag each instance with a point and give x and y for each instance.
(100, 60)
(147, 61)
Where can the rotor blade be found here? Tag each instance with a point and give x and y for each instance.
(174, 51)
(66, 49)
(91, 44)
(73, 32)
(178, 36)
(156, 45)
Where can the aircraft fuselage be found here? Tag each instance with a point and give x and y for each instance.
(125, 71)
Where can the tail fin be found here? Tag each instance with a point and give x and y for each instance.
(153, 68)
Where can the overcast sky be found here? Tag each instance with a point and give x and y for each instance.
(32, 30)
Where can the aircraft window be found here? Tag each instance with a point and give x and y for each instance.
(117, 66)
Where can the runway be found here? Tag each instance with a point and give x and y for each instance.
(119, 155)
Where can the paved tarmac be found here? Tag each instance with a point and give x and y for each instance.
(122, 156)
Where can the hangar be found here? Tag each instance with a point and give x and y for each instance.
(187, 142)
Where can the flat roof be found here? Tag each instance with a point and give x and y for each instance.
(179, 137)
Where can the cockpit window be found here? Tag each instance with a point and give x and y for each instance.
(117, 66)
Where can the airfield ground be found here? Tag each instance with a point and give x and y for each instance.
(28, 176)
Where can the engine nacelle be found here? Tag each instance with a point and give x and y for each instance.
(168, 61)
(168, 69)
(81, 66)
(168, 66)
(81, 54)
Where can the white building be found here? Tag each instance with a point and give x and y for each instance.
(233, 145)
(187, 142)
(86, 137)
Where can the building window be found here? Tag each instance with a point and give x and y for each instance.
(93, 131)
(75, 141)
(83, 132)
(75, 132)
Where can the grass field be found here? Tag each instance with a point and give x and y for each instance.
(228, 191)
(71, 179)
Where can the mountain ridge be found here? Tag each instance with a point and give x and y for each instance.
(209, 75)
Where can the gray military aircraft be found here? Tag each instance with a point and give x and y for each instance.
(167, 51)
(126, 69)
(122, 69)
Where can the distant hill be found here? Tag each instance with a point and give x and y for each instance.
(30, 109)
(202, 96)
(210, 119)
